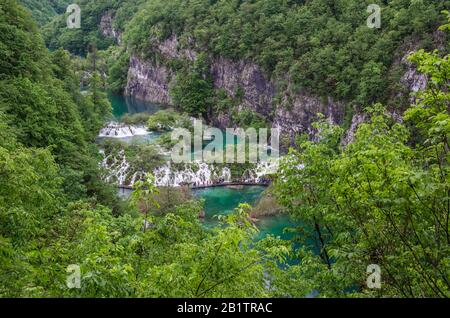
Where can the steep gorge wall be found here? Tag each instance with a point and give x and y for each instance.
(294, 112)
(259, 93)
(107, 27)
(149, 81)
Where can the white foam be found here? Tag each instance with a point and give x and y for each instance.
(117, 130)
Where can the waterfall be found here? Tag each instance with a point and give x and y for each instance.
(261, 172)
(117, 130)
(118, 170)
(195, 174)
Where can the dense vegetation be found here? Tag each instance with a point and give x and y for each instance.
(44, 11)
(47, 156)
(320, 46)
(78, 40)
(55, 211)
(383, 199)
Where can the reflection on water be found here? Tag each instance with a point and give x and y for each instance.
(128, 105)
(223, 201)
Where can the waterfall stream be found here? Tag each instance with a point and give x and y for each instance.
(118, 130)
(219, 200)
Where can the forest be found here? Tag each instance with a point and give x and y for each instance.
(383, 198)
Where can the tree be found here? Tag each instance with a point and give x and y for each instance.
(379, 200)
(193, 89)
(143, 197)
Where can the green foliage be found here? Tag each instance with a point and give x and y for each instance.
(379, 200)
(46, 160)
(222, 101)
(118, 71)
(383, 199)
(140, 157)
(322, 46)
(22, 50)
(193, 89)
(167, 119)
(173, 257)
(135, 119)
(77, 41)
(29, 192)
(247, 118)
(43, 115)
(143, 197)
(44, 10)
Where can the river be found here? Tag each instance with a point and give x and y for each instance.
(223, 201)
(218, 200)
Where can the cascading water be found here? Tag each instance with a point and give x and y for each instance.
(117, 130)
(195, 174)
(261, 172)
(198, 174)
(121, 170)
(116, 167)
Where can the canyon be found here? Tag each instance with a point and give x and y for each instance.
(150, 80)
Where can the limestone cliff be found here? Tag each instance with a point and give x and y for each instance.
(148, 81)
(293, 112)
(107, 27)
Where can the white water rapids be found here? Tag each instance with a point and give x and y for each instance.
(118, 169)
(117, 130)
(195, 174)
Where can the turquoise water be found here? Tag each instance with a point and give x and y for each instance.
(122, 105)
(138, 139)
(275, 225)
(223, 201)
(218, 200)
(128, 105)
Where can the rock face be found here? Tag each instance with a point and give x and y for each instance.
(257, 90)
(357, 120)
(169, 49)
(294, 113)
(106, 26)
(148, 81)
(259, 93)
(303, 112)
(412, 80)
